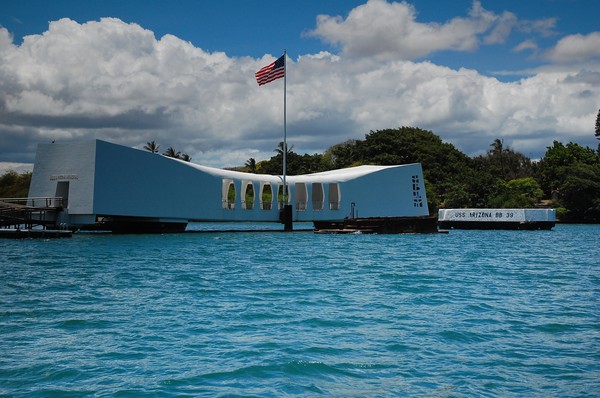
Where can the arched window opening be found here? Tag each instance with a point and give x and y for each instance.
(248, 197)
(266, 196)
(280, 196)
(334, 196)
(301, 196)
(318, 196)
(228, 194)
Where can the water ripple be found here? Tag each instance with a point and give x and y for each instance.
(471, 313)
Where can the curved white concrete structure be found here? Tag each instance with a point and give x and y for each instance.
(101, 180)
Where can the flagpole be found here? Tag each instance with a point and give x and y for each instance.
(287, 208)
(263, 76)
(284, 128)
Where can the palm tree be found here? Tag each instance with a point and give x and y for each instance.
(251, 165)
(172, 153)
(498, 149)
(186, 157)
(152, 147)
(279, 149)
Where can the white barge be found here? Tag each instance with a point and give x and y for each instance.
(526, 219)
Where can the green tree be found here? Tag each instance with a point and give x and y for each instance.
(186, 157)
(553, 167)
(598, 125)
(496, 153)
(279, 148)
(345, 154)
(443, 165)
(504, 163)
(517, 193)
(500, 178)
(250, 165)
(14, 185)
(580, 192)
(295, 164)
(573, 173)
(152, 147)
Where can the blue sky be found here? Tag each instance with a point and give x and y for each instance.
(253, 28)
(466, 60)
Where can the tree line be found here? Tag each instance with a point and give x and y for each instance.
(567, 177)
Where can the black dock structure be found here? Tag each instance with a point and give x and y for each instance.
(32, 218)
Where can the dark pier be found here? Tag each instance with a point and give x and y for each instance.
(31, 218)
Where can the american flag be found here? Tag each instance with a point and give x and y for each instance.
(273, 71)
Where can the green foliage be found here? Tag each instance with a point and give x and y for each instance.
(172, 153)
(457, 197)
(500, 178)
(280, 195)
(598, 125)
(250, 166)
(249, 197)
(346, 154)
(295, 164)
(152, 146)
(14, 185)
(580, 192)
(562, 213)
(553, 167)
(231, 193)
(572, 172)
(503, 162)
(444, 166)
(518, 193)
(267, 194)
(433, 198)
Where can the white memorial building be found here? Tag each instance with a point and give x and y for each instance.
(135, 189)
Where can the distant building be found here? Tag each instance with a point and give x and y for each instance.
(127, 188)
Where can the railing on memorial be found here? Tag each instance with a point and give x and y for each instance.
(29, 212)
(43, 202)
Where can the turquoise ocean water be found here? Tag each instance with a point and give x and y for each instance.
(270, 314)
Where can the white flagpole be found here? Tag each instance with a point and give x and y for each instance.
(284, 127)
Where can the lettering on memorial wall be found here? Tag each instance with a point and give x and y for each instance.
(54, 177)
(417, 198)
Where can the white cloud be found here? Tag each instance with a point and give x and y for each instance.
(17, 167)
(390, 30)
(576, 48)
(545, 27)
(526, 45)
(504, 25)
(116, 81)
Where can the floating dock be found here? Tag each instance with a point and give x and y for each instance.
(512, 219)
(378, 225)
(22, 218)
(15, 233)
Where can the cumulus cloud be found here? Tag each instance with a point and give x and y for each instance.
(391, 30)
(116, 81)
(527, 45)
(383, 29)
(576, 48)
